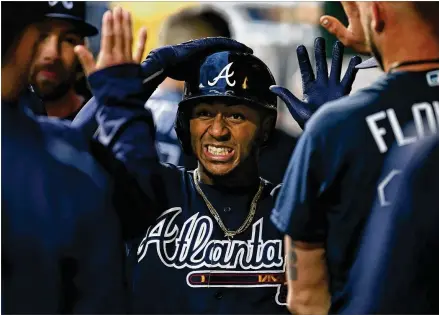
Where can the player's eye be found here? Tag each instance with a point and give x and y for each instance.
(44, 36)
(72, 40)
(203, 114)
(237, 117)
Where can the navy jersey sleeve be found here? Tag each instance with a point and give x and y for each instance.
(100, 253)
(126, 128)
(129, 201)
(85, 120)
(396, 270)
(296, 212)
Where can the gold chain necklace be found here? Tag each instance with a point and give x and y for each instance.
(229, 233)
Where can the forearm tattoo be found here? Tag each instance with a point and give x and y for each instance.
(292, 261)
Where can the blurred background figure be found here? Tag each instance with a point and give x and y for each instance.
(56, 75)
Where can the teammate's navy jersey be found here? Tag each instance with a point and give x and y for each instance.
(396, 269)
(184, 263)
(332, 178)
(61, 245)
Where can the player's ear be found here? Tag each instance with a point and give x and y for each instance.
(267, 127)
(378, 14)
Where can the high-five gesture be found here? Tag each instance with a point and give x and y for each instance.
(320, 88)
(351, 36)
(116, 43)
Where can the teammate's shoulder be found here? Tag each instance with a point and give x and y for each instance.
(426, 158)
(345, 110)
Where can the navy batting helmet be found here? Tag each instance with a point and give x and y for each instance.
(228, 77)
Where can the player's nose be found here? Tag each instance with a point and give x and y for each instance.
(50, 50)
(218, 129)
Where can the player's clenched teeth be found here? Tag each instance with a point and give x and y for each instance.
(218, 150)
(221, 154)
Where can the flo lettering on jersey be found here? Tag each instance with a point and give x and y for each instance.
(425, 123)
(425, 117)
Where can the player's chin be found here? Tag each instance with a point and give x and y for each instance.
(219, 169)
(45, 88)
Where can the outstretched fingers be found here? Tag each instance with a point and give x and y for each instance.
(107, 36)
(119, 36)
(306, 70)
(350, 74)
(86, 59)
(127, 35)
(140, 46)
(320, 55)
(337, 61)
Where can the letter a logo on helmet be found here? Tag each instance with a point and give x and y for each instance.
(223, 75)
(66, 4)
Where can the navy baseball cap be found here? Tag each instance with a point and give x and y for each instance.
(367, 64)
(73, 12)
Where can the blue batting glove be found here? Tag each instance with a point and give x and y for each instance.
(179, 61)
(320, 90)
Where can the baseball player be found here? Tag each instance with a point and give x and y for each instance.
(334, 173)
(182, 26)
(56, 69)
(396, 269)
(61, 244)
(187, 24)
(212, 250)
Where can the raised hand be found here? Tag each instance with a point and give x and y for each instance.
(116, 43)
(321, 89)
(351, 36)
(85, 119)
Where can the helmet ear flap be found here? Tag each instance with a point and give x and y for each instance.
(267, 137)
(182, 130)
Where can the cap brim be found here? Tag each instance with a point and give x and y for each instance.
(226, 98)
(83, 27)
(369, 63)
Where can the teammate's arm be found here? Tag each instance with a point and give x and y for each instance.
(307, 277)
(301, 216)
(126, 129)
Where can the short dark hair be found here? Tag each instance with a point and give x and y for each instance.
(16, 16)
(192, 19)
